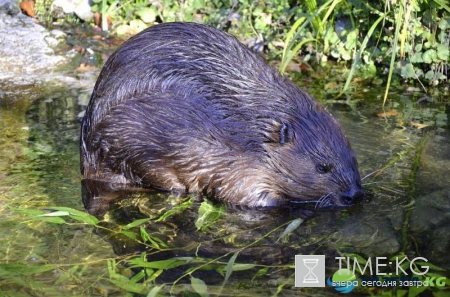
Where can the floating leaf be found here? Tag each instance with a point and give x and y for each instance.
(154, 292)
(199, 286)
(229, 268)
(136, 223)
(177, 209)
(138, 276)
(59, 213)
(208, 214)
(129, 286)
(153, 240)
(66, 275)
(163, 264)
(290, 228)
(76, 214)
(260, 273)
(418, 125)
(242, 266)
(389, 113)
(129, 234)
(23, 270)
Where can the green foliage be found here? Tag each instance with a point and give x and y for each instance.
(406, 39)
(208, 214)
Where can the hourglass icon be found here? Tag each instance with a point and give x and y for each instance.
(310, 277)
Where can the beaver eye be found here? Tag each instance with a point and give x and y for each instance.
(323, 168)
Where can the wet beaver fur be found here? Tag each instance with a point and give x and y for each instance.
(185, 107)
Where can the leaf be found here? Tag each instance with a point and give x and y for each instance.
(430, 75)
(290, 228)
(37, 215)
(22, 270)
(389, 113)
(208, 214)
(199, 286)
(136, 223)
(66, 275)
(147, 14)
(429, 56)
(138, 277)
(198, 4)
(418, 125)
(129, 286)
(229, 268)
(242, 266)
(442, 52)
(59, 213)
(415, 291)
(153, 240)
(179, 208)
(361, 50)
(408, 71)
(54, 220)
(260, 273)
(154, 292)
(352, 39)
(129, 234)
(162, 264)
(85, 68)
(76, 214)
(416, 58)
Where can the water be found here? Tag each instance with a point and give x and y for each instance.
(407, 214)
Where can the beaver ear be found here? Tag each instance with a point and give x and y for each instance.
(285, 133)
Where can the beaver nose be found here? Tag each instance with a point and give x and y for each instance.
(353, 196)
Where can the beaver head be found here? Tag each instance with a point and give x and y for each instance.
(183, 106)
(312, 161)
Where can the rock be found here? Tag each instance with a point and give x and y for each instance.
(10, 7)
(25, 55)
(81, 8)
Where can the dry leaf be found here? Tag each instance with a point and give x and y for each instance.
(389, 113)
(28, 8)
(84, 68)
(418, 125)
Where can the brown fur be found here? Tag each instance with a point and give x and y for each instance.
(185, 107)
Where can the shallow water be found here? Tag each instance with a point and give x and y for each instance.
(407, 214)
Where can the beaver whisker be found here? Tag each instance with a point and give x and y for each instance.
(370, 174)
(379, 182)
(294, 202)
(323, 201)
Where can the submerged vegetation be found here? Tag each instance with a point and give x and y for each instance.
(404, 39)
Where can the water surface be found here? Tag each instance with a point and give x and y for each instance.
(405, 153)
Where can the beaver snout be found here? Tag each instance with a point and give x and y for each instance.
(354, 196)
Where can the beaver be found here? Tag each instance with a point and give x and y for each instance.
(185, 107)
